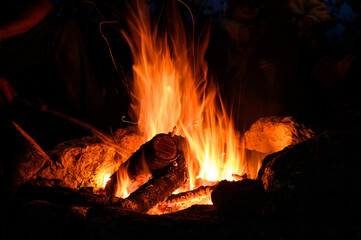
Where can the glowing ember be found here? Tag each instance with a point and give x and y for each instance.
(171, 87)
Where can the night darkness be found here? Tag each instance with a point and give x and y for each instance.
(69, 76)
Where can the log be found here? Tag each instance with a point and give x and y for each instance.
(159, 152)
(83, 197)
(160, 186)
(180, 201)
(238, 177)
(189, 195)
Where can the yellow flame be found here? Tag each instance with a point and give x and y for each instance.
(124, 181)
(171, 88)
(106, 179)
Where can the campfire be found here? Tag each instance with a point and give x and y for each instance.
(172, 92)
(184, 142)
(181, 169)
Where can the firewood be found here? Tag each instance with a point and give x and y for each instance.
(160, 186)
(61, 195)
(180, 201)
(69, 196)
(189, 195)
(159, 152)
(239, 177)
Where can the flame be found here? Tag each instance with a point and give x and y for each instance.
(106, 179)
(171, 87)
(123, 188)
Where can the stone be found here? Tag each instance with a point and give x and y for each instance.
(272, 134)
(315, 186)
(84, 162)
(238, 199)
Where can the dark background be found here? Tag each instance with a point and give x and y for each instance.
(320, 107)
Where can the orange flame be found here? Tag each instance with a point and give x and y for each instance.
(171, 88)
(122, 189)
(106, 179)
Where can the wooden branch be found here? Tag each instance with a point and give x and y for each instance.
(239, 177)
(189, 195)
(160, 187)
(62, 195)
(159, 152)
(70, 196)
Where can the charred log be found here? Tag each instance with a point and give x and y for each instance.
(180, 201)
(60, 195)
(83, 197)
(239, 177)
(190, 195)
(156, 154)
(160, 187)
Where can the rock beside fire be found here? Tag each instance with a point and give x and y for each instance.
(315, 186)
(239, 199)
(85, 161)
(272, 134)
(81, 162)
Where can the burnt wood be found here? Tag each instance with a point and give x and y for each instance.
(190, 195)
(160, 151)
(83, 197)
(160, 186)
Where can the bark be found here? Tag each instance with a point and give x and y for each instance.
(189, 195)
(238, 177)
(61, 195)
(160, 151)
(83, 197)
(160, 186)
(184, 200)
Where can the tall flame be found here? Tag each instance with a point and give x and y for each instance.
(171, 88)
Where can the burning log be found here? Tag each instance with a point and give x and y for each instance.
(156, 154)
(180, 201)
(157, 189)
(239, 177)
(160, 186)
(190, 195)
